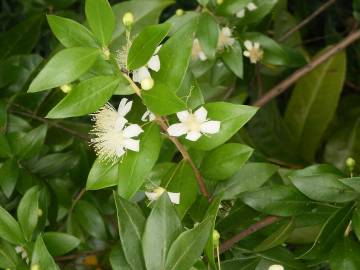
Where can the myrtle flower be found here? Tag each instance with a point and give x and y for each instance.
(193, 125)
(197, 52)
(20, 250)
(254, 52)
(276, 267)
(157, 192)
(226, 38)
(148, 116)
(250, 7)
(113, 136)
(141, 74)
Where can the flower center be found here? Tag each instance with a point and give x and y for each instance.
(256, 54)
(192, 124)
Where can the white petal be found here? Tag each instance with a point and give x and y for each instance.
(202, 56)
(120, 151)
(157, 49)
(251, 6)
(152, 196)
(174, 197)
(133, 145)
(276, 267)
(145, 116)
(193, 136)
(240, 13)
(19, 249)
(247, 53)
(248, 45)
(120, 123)
(177, 130)
(152, 117)
(256, 45)
(201, 114)
(231, 41)
(154, 63)
(132, 131)
(226, 31)
(183, 115)
(141, 74)
(124, 107)
(210, 127)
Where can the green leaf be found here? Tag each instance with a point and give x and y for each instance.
(102, 175)
(277, 200)
(225, 160)
(353, 182)
(208, 34)
(64, 67)
(42, 257)
(345, 255)
(71, 33)
(313, 104)
(5, 150)
(59, 243)
(9, 173)
(188, 247)
(174, 59)
(162, 228)
(27, 211)
(250, 177)
(10, 229)
(117, 259)
(356, 222)
(101, 20)
(324, 188)
(332, 229)
(137, 165)
(131, 226)
(90, 219)
(86, 97)
(232, 117)
(145, 44)
(8, 256)
(233, 58)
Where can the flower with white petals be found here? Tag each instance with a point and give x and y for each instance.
(226, 38)
(148, 116)
(253, 51)
(276, 267)
(197, 52)
(193, 125)
(141, 74)
(113, 136)
(157, 192)
(250, 7)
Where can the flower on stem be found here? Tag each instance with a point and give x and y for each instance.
(113, 136)
(148, 116)
(142, 75)
(250, 7)
(226, 38)
(197, 52)
(194, 125)
(253, 51)
(157, 192)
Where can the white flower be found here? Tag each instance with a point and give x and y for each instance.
(112, 134)
(157, 192)
(197, 52)
(148, 116)
(251, 7)
(254, 52)
(193, 125)
(276, 267)
(143, 73)
(225, 38)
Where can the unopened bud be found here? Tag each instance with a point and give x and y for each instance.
(39, 212)
(35, 267)
(350, 163)
(216, 238)
(219, 2)
(106, 53)
(179, 12)
(128, 19)
(147, 83)
(276, 267)
(66, 88)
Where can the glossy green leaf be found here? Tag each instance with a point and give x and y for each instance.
(162, 228)
(71, 33)
(41, 256)
(9, 173)
(117, 259)
(8, 256)
(101, 20)
(131, 226)
(233, 58)
(208, 34)
(313, 104)
(64, 67)
(224, 161)
(86, 97)
(188, 247)
(59, 243)
(145, 44)
(345, 255)
(10, 229)
(102, 175)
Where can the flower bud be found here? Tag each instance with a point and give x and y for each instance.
(39, 212)
(66, 88)
(350, 163)
(147, 83)
(106, 53)
(35, 267)
(216, 237)
(179, 12)
(128, 19)
(219, 2)
(276, 267)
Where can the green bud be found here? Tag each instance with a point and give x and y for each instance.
(216, 238)
(128, 19)
(350, 163)
(179, 12)
(219, 2)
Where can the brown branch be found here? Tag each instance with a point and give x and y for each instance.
(252, 229)
(285, 84)
(307, 20)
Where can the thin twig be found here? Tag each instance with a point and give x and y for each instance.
(252, 229)
(77, 198)
(285, 84)
(307, 20)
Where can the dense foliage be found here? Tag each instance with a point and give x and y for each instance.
(149, 134)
